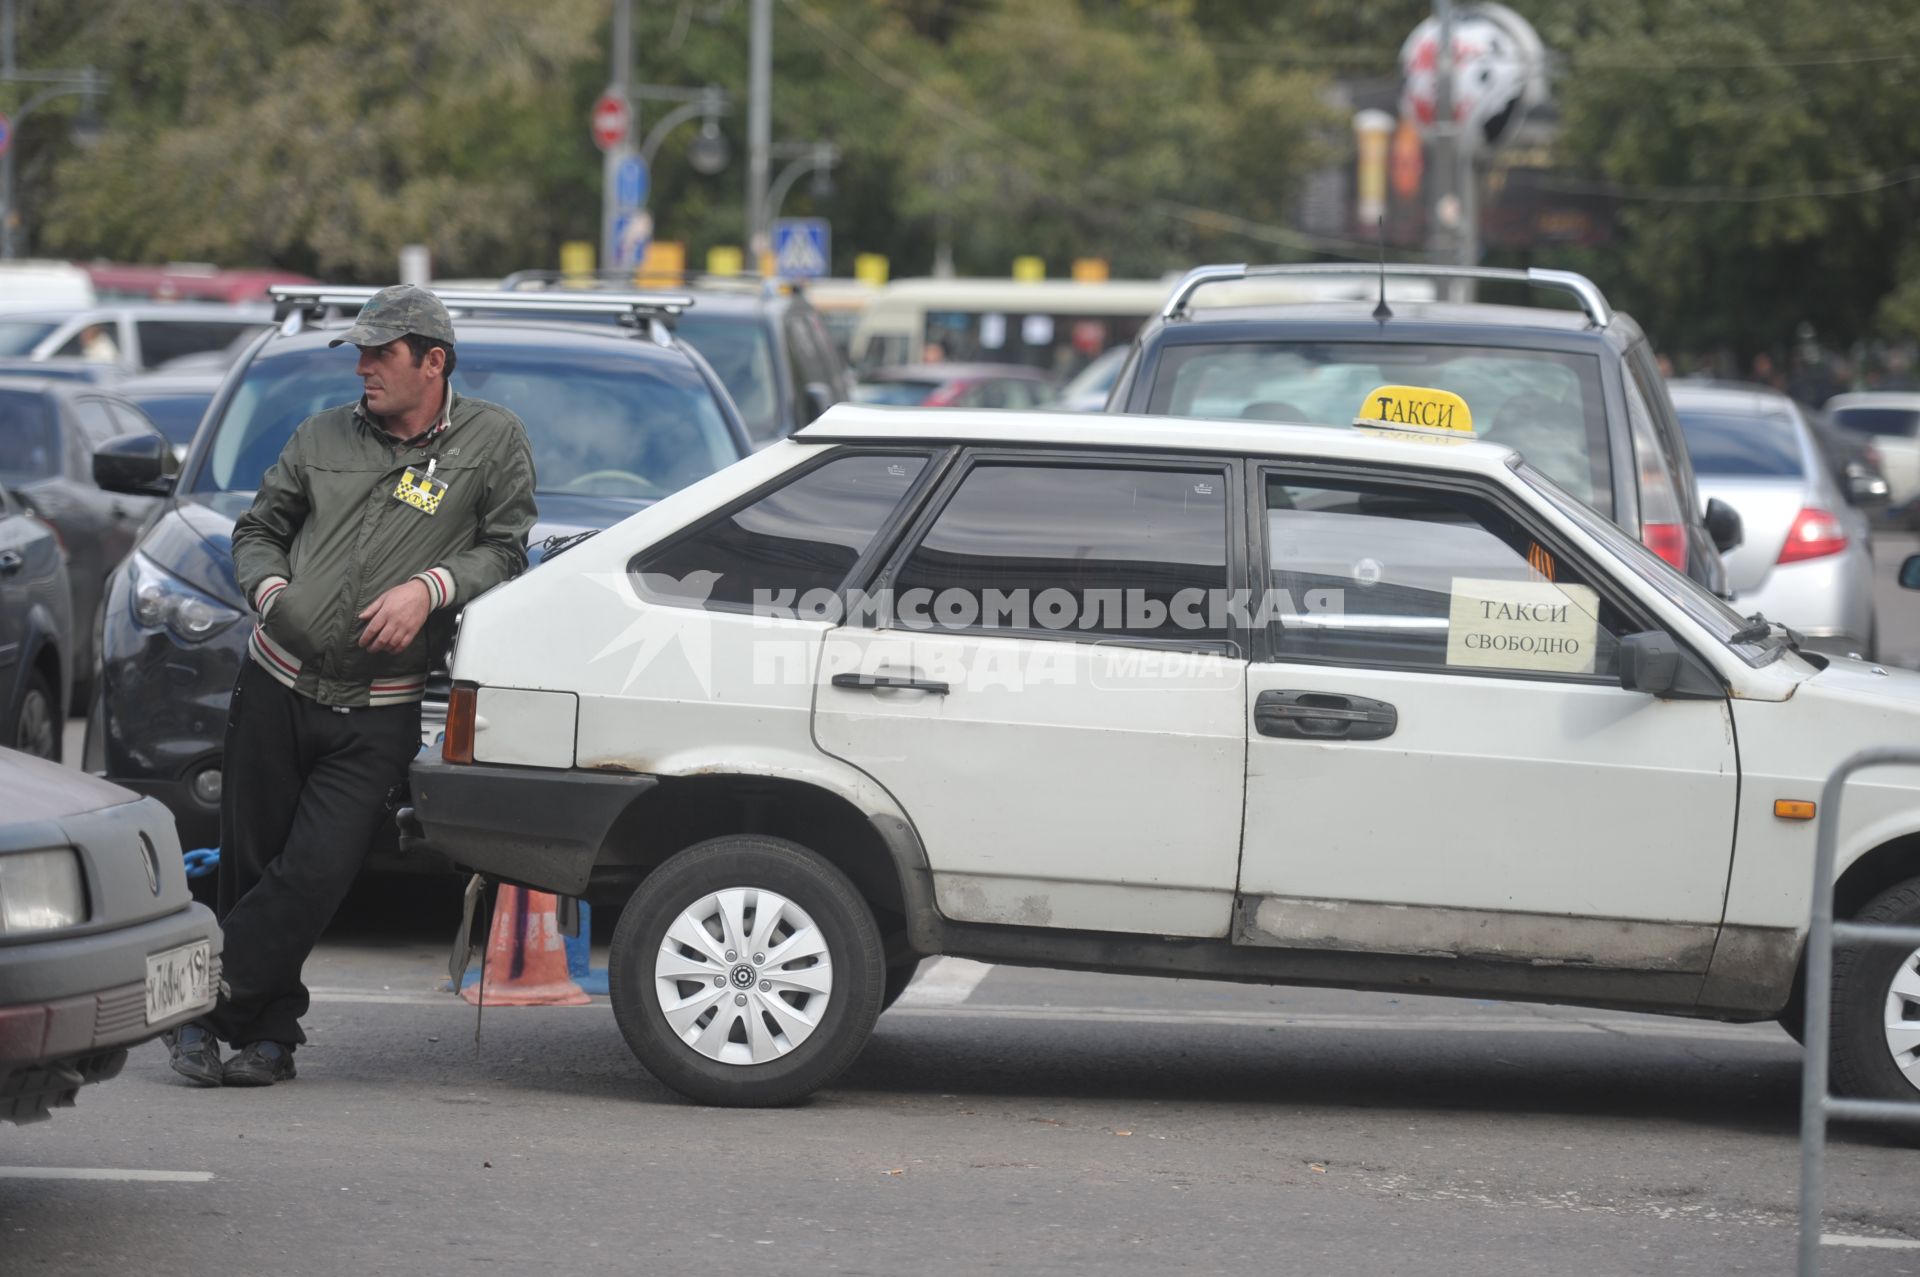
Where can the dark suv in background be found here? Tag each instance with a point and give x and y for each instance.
(1577, 392)
(769, 345)
(618, 416)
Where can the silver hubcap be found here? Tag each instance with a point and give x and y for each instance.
(1903, 1018)
(743, 976)
(36, 725)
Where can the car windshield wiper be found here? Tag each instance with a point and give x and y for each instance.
(1758, 627)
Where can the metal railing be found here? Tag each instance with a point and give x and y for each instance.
(1816, 1104)
(1592, 301)
(538, 281)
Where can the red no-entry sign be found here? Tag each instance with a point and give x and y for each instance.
(611, 117)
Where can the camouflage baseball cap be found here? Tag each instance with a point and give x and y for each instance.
(392, 313)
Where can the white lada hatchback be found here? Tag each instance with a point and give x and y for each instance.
(1236, 701)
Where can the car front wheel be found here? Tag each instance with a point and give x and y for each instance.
(1876, 1006)
(36, 727)
(746, 971)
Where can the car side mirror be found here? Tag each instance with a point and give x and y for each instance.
(1724, 525)
(820, 397)
(1653, 662)
(1910, 573)
(134, 464)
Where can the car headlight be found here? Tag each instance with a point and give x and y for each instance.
(41, 891)
(163, 601)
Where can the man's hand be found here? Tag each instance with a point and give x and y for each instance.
(395, 617)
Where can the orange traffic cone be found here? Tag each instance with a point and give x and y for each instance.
(526, 962)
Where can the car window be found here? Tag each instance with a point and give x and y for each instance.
(602, 422)
(1744, 445)
(1090, 552)
(1546, 405)
(897, 393)
(165, 339)
(96, 421)
(20, 336)
(1423, 578)
(741, 353)
(29, 436)
(1900, 422)
(805, 535)
(177, 416)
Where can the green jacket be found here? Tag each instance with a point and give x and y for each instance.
(328, 534)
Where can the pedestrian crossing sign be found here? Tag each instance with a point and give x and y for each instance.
(802, 247)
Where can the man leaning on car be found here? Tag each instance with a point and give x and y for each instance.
(379, 519)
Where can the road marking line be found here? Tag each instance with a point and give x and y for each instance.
(945, 982)
(88, 1172)
(1877, 1243)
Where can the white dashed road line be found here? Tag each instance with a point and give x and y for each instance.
(90, 1172)
(1876, 1243)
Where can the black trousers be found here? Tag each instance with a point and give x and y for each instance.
(303, 794)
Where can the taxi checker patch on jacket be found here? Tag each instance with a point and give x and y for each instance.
(420, 489)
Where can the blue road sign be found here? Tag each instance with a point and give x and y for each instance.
(632, 231)
(631, 182)
(6, 134)
(802, 247)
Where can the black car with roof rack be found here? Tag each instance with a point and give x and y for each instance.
(618, 415)
(1577, 392)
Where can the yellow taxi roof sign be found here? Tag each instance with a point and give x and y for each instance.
(1416, 408)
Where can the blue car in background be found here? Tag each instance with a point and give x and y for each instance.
(618, 417)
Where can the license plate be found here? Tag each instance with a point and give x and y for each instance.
(179, 980)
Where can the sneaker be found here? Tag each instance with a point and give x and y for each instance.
(260, 1064)
(194, 1054)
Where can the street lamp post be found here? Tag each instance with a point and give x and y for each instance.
(813, 157)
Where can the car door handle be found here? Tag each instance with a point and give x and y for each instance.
(888, 683)
(11, 561)
(1323, 716)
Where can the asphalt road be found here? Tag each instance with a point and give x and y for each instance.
(1001, 1119)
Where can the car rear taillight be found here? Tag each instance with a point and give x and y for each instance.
(1814, 535)
(1668, 540)
(944, 396)
(458, 746)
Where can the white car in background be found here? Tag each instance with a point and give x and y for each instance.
(1892, 419)
(1211, 699)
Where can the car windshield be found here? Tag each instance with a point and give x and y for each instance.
(176, 415)
(29, 439)
(1900, 422)
(1742, 445)
(1681, 590)
(741, 354)
(894, 392)
(602, 422)
(1546, 405)
(20, 336)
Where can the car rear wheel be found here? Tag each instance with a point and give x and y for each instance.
(746, 971)
(1876, 1006)
(36, 726)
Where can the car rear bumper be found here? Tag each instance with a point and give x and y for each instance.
(537, 826)
(1829, 600)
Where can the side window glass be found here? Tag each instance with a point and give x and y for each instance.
(96, 422)
(1372, 574)
(806, 535)
(1097, 553)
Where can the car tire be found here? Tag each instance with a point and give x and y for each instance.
(899, 976)
(1876, 991)
(36, 720)
(673, 941)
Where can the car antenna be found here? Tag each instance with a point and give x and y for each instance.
(1383, 311)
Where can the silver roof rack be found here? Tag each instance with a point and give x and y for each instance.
(299, 299)
(1592, 301)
